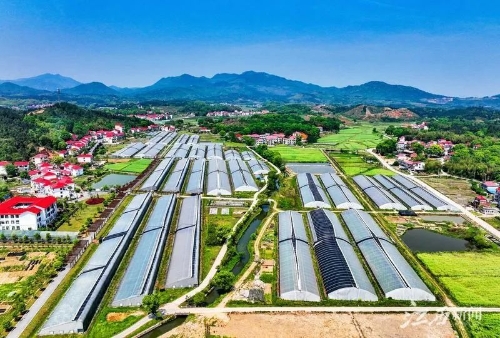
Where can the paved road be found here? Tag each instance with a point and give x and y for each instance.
(479, 221)
(38, 304)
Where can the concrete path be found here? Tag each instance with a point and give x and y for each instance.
(38, 304)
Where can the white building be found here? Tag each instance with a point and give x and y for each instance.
(85, 158)
(27, 213)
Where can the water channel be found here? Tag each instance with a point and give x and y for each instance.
(242, 249)
(162, 329)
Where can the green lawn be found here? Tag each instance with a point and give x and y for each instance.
(132, 166)
(488, 325)
(292, 154)
(472, 278)
(77, 220)
(357, 137)
(355, 165)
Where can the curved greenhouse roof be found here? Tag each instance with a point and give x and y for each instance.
(196, 178)
(341, 195)
(297, 279)
(240, 174)
(218, 178)
(248, 155)
(140, 276)
(193, 139)
(379, 196)
(214, 151)
(176, 178)
(393, 273)
(404, 195)
(258, 167)
(232, 155)
(155, 179)
(341, 271)
(183, 267)
(179, 150)
(197, 151)
(129, 150)
(311, 192)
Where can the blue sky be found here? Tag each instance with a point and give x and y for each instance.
(444, 47)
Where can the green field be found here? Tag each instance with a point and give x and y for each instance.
(291, 154)
(357, 137)
(472, 278)
(488, 325)
(356, 165)
(132, 166)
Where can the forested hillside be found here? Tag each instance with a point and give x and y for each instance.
(21, 133)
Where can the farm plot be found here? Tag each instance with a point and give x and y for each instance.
(299, 155)
(458, 190)
(131, 166)
(488, 325)
(472, 278)
(355, 138)
(353, 165)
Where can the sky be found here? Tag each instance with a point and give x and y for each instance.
(444, 47)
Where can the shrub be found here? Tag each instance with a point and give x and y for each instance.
(94, 201)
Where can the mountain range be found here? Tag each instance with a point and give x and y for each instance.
(248, 87)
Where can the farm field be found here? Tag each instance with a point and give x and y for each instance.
(131, 166)
(353, 165)
(472, 278)
(486, 326)
(299, 155)
(458, 190)
(493, 221)
(77, 220)
(355, 138)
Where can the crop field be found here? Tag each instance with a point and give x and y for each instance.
(132, 166)
(488, 325)
(458, 190)
(355, 138)
(355, 165)
(291, 154)
(472, 278)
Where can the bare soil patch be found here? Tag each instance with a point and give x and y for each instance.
(120, 316)
(312, 325)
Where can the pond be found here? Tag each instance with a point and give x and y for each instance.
(242, 249)
(437, 218)
(313, 168)
(112, 180)
(423, 240)
(162, 329)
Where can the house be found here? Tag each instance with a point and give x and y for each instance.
(3, 170)
(27, 213)
(401, 145)
(57, 187)
(85, 158)
(411, 165)
(204, 130)
(119, 128)
(40, 158)
(62, 153)
(22, 165)
(490, 186)
(480, 201)
(73, 170)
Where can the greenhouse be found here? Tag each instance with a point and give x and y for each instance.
(341, 270)
(183, 268)
(297, 279)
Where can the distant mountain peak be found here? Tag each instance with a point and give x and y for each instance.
(47, 81)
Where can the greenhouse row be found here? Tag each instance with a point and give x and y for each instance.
(140, 276)
(75, 310)
(183, 268)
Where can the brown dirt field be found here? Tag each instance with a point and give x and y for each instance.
(120, 316)
(458, 190)
(33, 255)
(8, 278)
(312, 325)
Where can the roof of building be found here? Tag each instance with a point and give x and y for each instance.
(85, 156)
(21, 163)
(20, 204)
(490, 184)
(4, 163)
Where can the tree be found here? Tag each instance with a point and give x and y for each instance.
(433, 166)
(151, 303)
(223, 280)
(248, 141)
(24, 175)
(435, 150)
(386, 147)
(417, 147)
(37, 237)
(11, 170)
